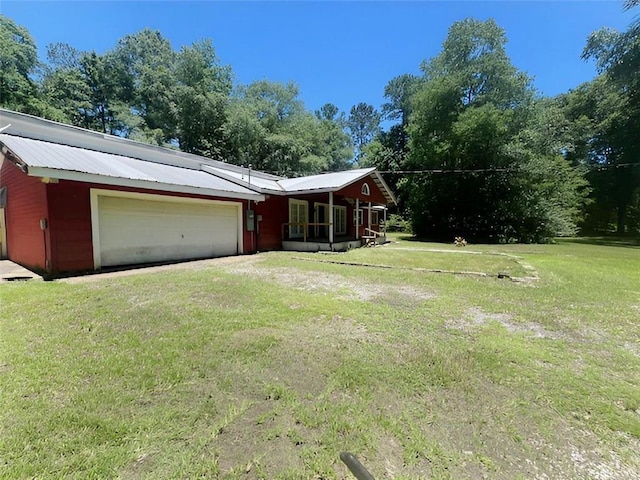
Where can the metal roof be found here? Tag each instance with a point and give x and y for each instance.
(73, 163)
(331, 182)
(325, 181)
(67, 152)
(244, 177)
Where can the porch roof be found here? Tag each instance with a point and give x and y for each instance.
(333, 182)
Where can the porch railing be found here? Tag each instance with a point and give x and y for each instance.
(371, 236)
(305, 229)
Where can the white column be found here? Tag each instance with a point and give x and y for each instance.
(384, 230)
(369, 215)
(330, 217)
(357, 218)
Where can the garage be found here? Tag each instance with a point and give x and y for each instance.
(133, 228)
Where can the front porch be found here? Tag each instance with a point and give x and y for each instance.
(311, 237)
(321, 245)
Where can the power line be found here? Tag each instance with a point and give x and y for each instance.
(488, 170)
(455, 170)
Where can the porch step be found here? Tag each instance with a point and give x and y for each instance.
(370, 240)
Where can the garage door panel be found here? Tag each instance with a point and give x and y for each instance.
(142, 231)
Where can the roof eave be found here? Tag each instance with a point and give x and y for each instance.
(386, 190)
(145, 184)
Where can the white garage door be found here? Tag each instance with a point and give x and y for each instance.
(133, 230)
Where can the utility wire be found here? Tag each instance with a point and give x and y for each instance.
(487, 170)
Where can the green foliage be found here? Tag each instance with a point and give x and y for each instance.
(270, 128)
(18, 60)
(144, 90)
(363, 124)
(201, 101)
(613, 108)
(475, 119)
(397, 223)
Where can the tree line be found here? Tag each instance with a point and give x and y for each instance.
(473, 149)
(145, 90)
(476, 151)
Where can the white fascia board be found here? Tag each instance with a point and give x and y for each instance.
(386, 187)
(127, 182)
(307, 191)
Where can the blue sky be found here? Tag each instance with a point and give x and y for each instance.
(343, 52)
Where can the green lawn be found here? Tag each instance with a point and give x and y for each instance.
(269, 366)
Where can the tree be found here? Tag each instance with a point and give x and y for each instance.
(388, 151)
(143, 64)
(363, 124)
(18, 60)
(617, 57)
(329, 112)
(202, 96)
(475, 119)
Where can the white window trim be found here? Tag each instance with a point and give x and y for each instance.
(365, 190)
(358, 217)
(340, 220)
(297, 232)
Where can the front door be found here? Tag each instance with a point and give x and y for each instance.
(322, 216)
(297, 218)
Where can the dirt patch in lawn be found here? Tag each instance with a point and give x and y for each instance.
(332, 284)
(476, 317)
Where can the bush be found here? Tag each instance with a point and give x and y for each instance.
(397, 223)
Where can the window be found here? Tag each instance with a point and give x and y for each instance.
(297, 215)
(358, 218)
(365, 189)
(375, 219)
(340, 220)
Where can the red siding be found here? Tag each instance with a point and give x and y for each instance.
(274, 211)
(67, 244)
(355, 191)
(70, 226)
(26, 206)
(66, 206)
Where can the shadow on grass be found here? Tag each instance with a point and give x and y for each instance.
(627, 241)
(607, 241)
(409, 237)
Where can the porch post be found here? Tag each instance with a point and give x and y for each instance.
(384, 230)
(369, 219)
(330, 217)
(357, 219)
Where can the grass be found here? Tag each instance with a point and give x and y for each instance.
(270, 366)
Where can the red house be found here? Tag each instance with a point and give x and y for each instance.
(73, 200)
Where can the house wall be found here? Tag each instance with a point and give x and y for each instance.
(26, 206)
(355, 191)
(69, 221)
(274, 211)
(70, 226)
